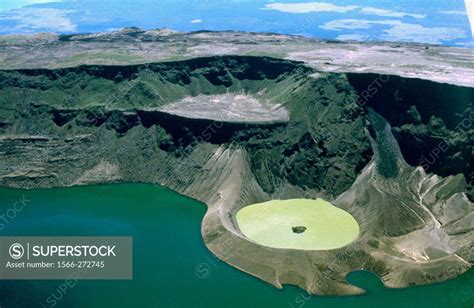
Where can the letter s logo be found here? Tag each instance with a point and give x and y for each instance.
(16, 251)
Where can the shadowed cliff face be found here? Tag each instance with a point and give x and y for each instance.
(432, 122)
(102, 124)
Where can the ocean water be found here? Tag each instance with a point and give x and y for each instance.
(172, 267)
(423, 21)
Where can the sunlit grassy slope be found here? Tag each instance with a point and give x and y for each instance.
(270, 224)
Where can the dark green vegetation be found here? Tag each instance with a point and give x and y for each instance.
(326, 115)
(322, 147)
(170, 258)
(433, 123)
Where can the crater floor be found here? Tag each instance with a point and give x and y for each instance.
(230, 107)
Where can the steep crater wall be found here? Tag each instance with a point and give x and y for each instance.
(432, 122)
(321, 145)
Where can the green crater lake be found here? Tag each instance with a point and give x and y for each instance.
(298, 224)
(172, 267)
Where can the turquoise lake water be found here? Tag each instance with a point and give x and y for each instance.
(169, 257)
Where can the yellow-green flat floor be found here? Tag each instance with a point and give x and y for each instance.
(270, 224)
